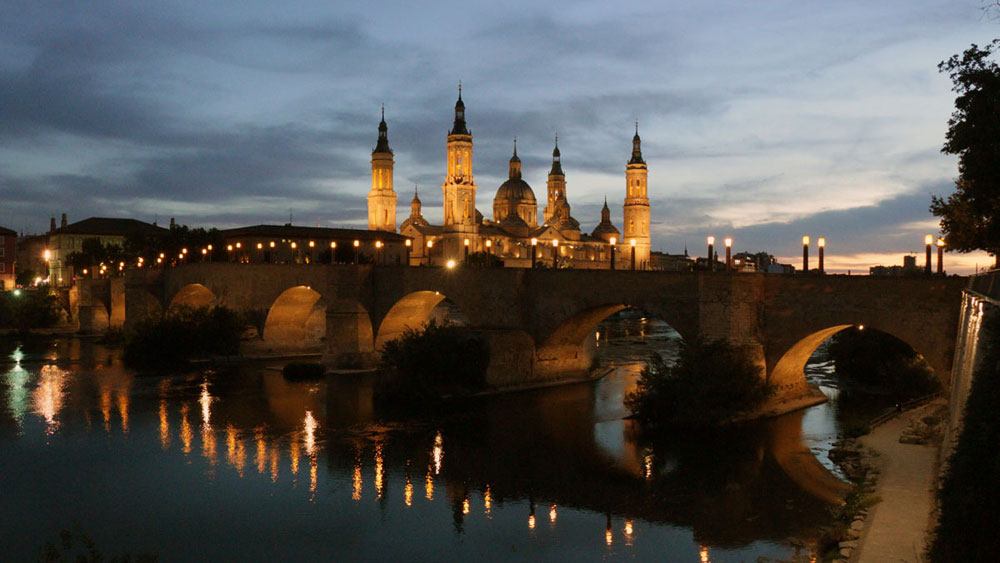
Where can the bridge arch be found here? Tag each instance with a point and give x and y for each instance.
(788, 374)
(194, 295)
(411, 311)
(297, 320)
(570, 346)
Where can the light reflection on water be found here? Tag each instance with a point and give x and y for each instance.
(566, 450)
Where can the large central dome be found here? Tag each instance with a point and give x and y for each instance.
(517, 190)
(515, 197)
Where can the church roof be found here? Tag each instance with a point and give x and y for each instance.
(111, 226)
(292, 231)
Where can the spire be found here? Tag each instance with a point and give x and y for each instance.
(556, 164)
(459, 127)
(515, 163)
(416, 199)
(636, 150)
(383, 136)
(605, 213)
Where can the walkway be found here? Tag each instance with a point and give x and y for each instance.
(896, 528)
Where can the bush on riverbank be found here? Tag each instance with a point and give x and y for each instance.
(433, 361)
(28, 308)
(969, 496)
(710, 384)
(873, 362)
(181, 335)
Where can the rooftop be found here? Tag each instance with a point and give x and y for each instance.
(111, 226)
(292, 231)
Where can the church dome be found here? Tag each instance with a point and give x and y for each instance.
(517, 190)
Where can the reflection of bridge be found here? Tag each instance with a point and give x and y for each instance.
(540, 323)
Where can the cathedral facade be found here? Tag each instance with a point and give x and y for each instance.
(513, 234)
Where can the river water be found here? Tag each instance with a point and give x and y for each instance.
(240, 464)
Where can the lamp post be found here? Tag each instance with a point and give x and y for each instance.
(430, 245)
(940, 245)
(928, 240)
(613, 241)
(555, 253)
(409, 246)
(711, 253)
(632, 244)
(379, 255)
(357, 246)
(729, 254)
(534, 251)
(466, 255)
(821, 243)
(489, 252)
(805, 254)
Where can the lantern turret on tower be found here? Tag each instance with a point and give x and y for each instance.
(382, 198)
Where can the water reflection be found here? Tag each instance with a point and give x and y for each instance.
(565, 450)
(47, 398)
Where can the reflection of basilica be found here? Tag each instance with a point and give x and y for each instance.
(514, 229)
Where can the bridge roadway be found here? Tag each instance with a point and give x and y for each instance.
(540, 324)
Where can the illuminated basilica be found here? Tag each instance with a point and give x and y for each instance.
(514, 234)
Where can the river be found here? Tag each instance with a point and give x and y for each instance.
(240, 464)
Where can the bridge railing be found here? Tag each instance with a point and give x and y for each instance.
(889, 414)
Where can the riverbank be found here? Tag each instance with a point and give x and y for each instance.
(895, 527)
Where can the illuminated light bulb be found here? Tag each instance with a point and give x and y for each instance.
(312, 244)
(821, 242)
(466, 242)
(729, 242)
(940, 242)
(613, 241)
(295, 245)
(805, 240)
(534, 242)
(430, 243)
(408, 243)
(229, 248)
(272, 244)
(711, 240)
(450, 264)
(928, 239)
(238, 245)
(632, 242)
(489, 243)
(357, 243)
(260, 245)
(210, 246)
(556, 243)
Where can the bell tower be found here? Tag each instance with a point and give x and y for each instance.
(556, 186)
(382, 198)
(459, 185)
(636, 209)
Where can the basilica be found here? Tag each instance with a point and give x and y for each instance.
(513, 235)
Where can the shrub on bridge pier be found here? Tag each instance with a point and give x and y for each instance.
(710, 384)
(181, 335)
(433, 361)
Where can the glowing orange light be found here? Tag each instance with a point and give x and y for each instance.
(450, 264)
(238, 245)
(204, 251)
(408, 243)
(728, 242)
(210, 246)
(333, 245)
(711, 240)
(489, 243)
(821, 242)
(805, 240)
(378, 244)
(928, 240)
(534, 242)
(556, 243)
(632, 242)
(260, 246)
(294, 245)
(272, 244)
(613, 241)
(184, 251)
(531, 521)
(357, 243)
(552, 514)
(940, 242)
(430, 243)
(466, 242)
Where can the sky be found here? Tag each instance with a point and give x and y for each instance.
(763, 121)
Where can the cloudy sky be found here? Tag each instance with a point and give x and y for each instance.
(764, 121)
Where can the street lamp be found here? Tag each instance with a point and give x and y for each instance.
(711, 253)
(729, 253)
(613, 241)
(379, 257)
(489, 251)
(357, 245)
(805, 254)
(928, 240)
(534, 251)
(940, 245)
(632, 244)
(430, 245)
(409, 246)
(821, 243)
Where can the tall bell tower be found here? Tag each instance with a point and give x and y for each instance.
(636, 209)
(459, 185)
(382, 198)
(556, 186)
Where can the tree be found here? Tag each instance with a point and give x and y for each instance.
(970, 217)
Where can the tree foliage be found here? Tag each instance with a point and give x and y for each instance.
(711, 383)
(184, 333)
(434, 360)
(28, 309)
(970, 217)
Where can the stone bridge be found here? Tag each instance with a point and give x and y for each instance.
(540, 324)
